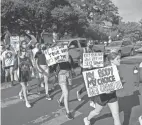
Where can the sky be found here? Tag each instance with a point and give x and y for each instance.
(129, 10)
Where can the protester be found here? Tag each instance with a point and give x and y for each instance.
(8, 58)
(64, 78)
(109, 98)
(43, 68)
(24, 65)
(63, 71)
(89, 49)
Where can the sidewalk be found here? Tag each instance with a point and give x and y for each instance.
(5, 85)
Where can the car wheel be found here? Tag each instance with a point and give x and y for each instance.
(132, 52)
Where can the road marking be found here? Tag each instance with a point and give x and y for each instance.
(56, 118)
(14, 100)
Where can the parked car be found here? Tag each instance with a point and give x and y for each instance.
(76, 47)
(122, 47)
(138, 47)
(136, 67)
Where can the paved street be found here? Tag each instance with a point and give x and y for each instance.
(46, 112)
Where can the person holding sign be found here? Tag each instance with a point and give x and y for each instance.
(42, 67)
(25, 65)
(109, 98)
(87, 50)
(64, 78)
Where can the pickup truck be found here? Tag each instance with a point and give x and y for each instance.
(76, 47)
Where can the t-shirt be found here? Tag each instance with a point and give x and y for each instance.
(41, 58)
(8, 58)
(24, 64)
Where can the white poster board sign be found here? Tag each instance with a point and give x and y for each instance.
(93, 59)
(102, 80)
(14, 41)
(57, 54)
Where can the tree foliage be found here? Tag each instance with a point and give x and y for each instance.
(77, 17)
(131, 30)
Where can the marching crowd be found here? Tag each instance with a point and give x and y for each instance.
(30, 61)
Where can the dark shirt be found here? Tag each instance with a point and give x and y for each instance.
(24, 64)
(64, 66)
(41, 58)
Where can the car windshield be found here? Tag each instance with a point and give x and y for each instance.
(116, 43)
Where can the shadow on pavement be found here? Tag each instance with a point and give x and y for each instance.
(86, 99)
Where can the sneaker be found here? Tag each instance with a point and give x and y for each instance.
(78, 96)
(69, 116)
(28, 105)
(48, 97)
(61, 104)
(92, 104)
(86, 122)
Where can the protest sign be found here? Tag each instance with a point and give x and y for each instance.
(57, 54)
(14, 41)
(93, 59)
(102, 80)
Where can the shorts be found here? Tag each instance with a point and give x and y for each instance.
(44, 68)
(24, 76)
(8, 67)
(103, 99)
(8, 70)
(64, 77)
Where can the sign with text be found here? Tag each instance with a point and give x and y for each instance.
(57, 54)
(14, 41)
(102, 80)
(93, 59)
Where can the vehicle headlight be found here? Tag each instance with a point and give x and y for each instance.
(136, 70)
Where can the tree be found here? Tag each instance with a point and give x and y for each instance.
(132, 30)
(77, 17)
